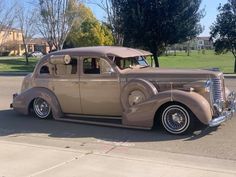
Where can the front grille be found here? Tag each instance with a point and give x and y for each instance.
(218, 89)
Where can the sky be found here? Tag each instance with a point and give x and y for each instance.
(209, 5)
(210, 16)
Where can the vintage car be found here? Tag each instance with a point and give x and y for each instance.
(116, 86)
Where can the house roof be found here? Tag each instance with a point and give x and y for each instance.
(205, 38)
(37, 41)
(8, 28)
(122, 52)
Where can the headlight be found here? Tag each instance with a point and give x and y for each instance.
(232, 101)
(219, 105)
(208, 85)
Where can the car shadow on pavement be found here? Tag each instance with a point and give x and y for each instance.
(12, 123)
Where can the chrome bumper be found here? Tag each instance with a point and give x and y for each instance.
(228, 113)
(13, 96)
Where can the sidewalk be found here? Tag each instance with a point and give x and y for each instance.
(18, 160)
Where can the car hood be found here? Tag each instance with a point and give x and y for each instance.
(170, 74)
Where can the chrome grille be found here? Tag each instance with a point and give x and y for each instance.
(218, 89)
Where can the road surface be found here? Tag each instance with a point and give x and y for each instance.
(30, 147)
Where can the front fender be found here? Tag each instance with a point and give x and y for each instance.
(22, 101)
(142, 115)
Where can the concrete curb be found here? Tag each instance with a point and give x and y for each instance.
(230, 76)
(14, 73)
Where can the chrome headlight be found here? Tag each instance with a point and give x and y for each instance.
(232, 101)
(219, 105)
(208, 85)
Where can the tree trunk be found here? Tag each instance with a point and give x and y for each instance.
(26, 56)
(175, 50)
(234, 64)
(188, 49)
(156, 60)
(26, 51)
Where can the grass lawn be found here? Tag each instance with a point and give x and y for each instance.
(196, 60)
(15, 64)
(224, 62)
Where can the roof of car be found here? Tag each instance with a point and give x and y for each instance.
(122, 52)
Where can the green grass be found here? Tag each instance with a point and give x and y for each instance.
(196, 60)
(224, 62)
(17, 64)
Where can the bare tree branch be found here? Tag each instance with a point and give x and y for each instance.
(108, 6)
(56, 20)
(7, 15)
(26, 22)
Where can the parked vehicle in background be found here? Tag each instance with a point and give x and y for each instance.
(116, 86)
(36, 54)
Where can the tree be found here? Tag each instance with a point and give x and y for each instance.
(223, 30)
(111, 9)
(155, 24)
(56, 20)
(88, 31)
(26, 21)
(7, 14)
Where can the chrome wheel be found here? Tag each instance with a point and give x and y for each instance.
(176, 119)
(41, 108)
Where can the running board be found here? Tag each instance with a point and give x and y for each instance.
(100, 121)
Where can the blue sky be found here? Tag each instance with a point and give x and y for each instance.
(211, 12)
(209, 5)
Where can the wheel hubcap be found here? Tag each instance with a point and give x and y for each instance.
(175, 119)
(41, 108)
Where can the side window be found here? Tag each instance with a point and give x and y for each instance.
(66, 69)
(91, 66)
(44, 70)
(96, 66)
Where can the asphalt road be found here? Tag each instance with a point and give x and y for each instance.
(211, 142)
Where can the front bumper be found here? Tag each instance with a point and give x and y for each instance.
(227, 113)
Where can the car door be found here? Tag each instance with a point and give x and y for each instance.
(66, 86)
(99, 88)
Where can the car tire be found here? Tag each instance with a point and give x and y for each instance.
(177, 119)
(137, 91)
(41, 108)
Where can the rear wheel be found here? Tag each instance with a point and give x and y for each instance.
(41, 108)
(177, 119)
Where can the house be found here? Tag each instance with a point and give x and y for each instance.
(11, 43)
(204, 43)
(38, 44)
(197, 43)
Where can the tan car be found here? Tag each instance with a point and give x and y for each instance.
(115, 86)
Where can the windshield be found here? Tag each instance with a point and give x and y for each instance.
(131, 62)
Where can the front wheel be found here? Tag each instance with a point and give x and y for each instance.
(177, 119)
(41, 108)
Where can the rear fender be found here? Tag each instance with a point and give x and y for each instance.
(22, 102)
